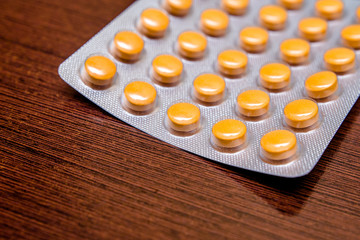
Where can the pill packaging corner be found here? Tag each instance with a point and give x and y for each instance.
(312, 143)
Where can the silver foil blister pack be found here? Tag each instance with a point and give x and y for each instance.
(312, 143)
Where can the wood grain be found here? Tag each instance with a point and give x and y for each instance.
(71, 171)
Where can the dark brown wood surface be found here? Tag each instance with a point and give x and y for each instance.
(69, 170)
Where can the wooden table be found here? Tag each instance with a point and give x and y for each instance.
(71, 171)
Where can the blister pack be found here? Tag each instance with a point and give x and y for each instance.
(260, 85)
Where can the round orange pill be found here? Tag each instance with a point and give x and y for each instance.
(177, 7)
(321, 85)
(167, 69)
(312, 28)
(183, 117)
(214, 22)
(301, 113)
(153, 23)
(235, 7)
(275, 76)
(351, 36)
(229, 133)
(99, 71)
(295, 51)
(340, 59)
(254, 39)
(127, 46)
(291, 4)
(191, 45)
(209, 88)
(329, 9)
(253, 103)
(278, 145)
(232, 62)
(273, 17)
(139, 96)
